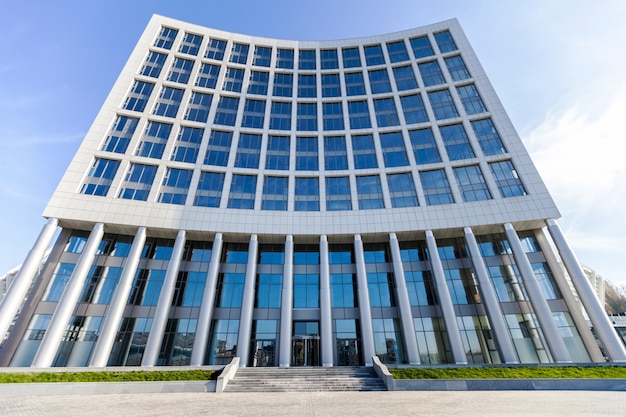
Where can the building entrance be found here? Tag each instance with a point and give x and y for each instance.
(306, 351)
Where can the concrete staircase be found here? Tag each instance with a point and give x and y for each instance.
(296, 379)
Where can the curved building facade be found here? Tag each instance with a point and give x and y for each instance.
(301, 204)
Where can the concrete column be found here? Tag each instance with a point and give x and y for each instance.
(286, 306)
(201, 340)
(19, 288)
(112, 319)
(367, 329)
(445, 301)
(490, 301)
(159, 322)
(537, 300)
(595, 311)
(325, 305)
(247, 303)
(404, 303)
(67, 303)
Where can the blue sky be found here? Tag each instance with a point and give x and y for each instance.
(557, 69)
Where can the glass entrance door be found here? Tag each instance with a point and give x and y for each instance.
(306, 351)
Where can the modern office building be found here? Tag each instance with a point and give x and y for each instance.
(301, 204)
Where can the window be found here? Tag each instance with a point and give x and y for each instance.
(253, 114)
(242, 192)
(329, 59)
(233, 80)
(275, 193)
(258, 83)
(284, 58)
(436, 187)
(355, 84)
(445, 42)
(374, 55)
(338, 194)
(262, 56)
(405, 78)
(364, 152)
(280, 116)
(138, 96)
(359, 115)
(335, 153)
(229, 290)
(120, 134)
(431, 73)
(379, 81)
(248, 151)
(226, 111)
(471, 99)
(332, 116)
(153, 65)
(402, 190)
(307, 86)
(168, 102)
(181, 70)
(424, 146)
(209, 192)
(386, 114)
(190, 44)
(166, 38)
(351, 57)
(218, 148)
(331, 86)
(307, 194)
(239, 53)
(306, 154)
(100, 177)
(394, 152)
(175, 186)
(509, 183)
(397, 51)
(369, 192)
(198, 107)
(388, 340)
(283, 85)
(457, 69)
(421, 47)
(277, 155)
(488, 137)
(306, 284)
(306, 59)
(207, 76)
(223, 347)
(154, 139)
(462, 284)
(413, 109)
(307, 116)
(187, 144)
(138, 181)
(442, 105)
(215, 49)
(456, 142)
(472, 183)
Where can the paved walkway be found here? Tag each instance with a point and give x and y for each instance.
(387, 404)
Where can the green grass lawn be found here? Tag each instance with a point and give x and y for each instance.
(108, 376)
(512, 373)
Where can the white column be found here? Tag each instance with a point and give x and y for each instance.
(159, 322)
(404, 303)
(19, 288)
(537, 300)
(445, 301)
(325, 305)
(67, 303)
(201, 339)
(367, 329)
(595, 311)
(112, 319)
(286, 306)
(247, 303)
(490, 301)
